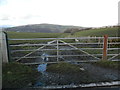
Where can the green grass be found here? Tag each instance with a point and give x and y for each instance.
(17, 75)
(97, 32)
(108, 64)
(63, 68)
(93, 32)
(34, 35)
(18, 35)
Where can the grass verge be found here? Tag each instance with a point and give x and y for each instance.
(108, 64)
(16, 75)
(63, 68)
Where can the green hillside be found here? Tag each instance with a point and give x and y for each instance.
(97, 32)
(42, 28)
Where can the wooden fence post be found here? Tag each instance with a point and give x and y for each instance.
(105, 44)
(4, 47)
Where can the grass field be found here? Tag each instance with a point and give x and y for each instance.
(18, 35)
(93, 32)
(97, 32)
(34, 35)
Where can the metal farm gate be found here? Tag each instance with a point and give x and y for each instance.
(52, 50)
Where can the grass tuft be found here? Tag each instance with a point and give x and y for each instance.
(63, 68)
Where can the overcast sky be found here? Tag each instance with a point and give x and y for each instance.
(87, 13)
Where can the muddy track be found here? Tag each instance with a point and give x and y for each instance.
(94, 74)
(101, 73)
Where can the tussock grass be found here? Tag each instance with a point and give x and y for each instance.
(64, 68)
(16, 75)
(108, 64)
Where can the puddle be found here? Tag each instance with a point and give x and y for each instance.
(42, 68)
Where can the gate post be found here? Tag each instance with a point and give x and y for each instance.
(105, 44)
(4, 47)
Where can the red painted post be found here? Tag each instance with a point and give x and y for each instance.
(105, 44)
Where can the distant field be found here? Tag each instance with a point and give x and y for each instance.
(97, 32)
(18, 35)
(93, 32)
(34, 35)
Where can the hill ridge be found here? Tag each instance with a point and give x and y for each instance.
(43, 28)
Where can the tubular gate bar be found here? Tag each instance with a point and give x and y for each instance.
(66, 38)
(58, 42)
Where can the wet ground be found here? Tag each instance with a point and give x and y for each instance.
(101, 73)
(90, 74)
